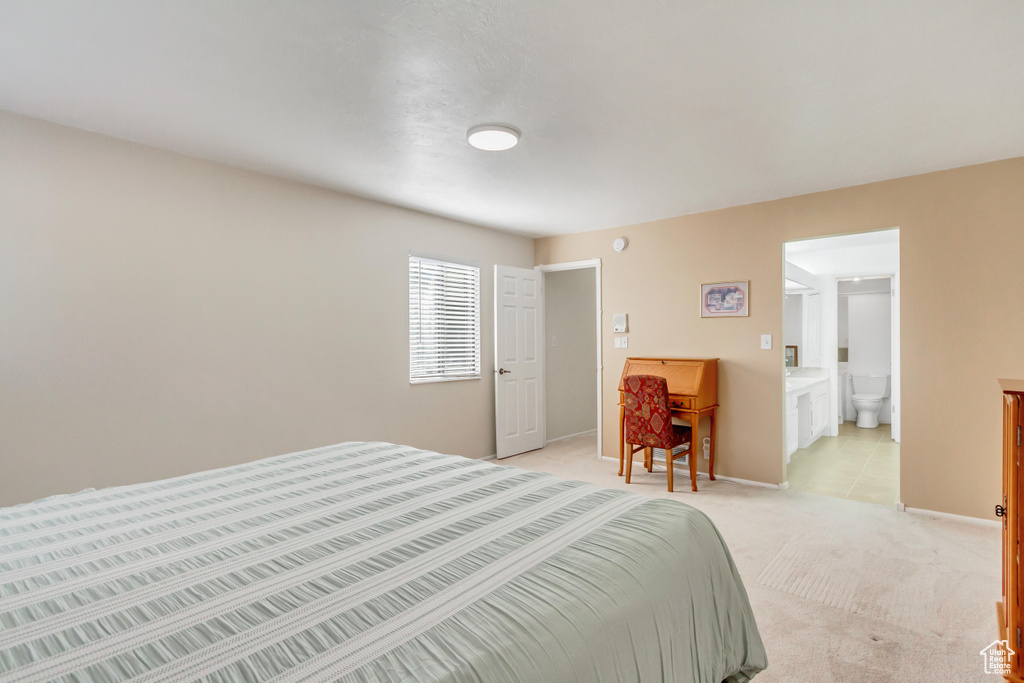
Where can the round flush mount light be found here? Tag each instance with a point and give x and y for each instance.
(620, 244)
(492, 137)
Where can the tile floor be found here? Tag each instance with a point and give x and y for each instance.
(859, 464)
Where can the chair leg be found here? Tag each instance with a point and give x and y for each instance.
(648, 458)
(629, 461)
(668, 464)
(622, 435)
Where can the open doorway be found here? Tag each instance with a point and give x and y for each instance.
(841, 333)
(572, 326)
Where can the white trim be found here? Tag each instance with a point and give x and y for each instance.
(950, 516)
(569, 265)
(594, 263)
(492, 456)
(703, 475)
(569, 436)
(431, 380)
(749, 482)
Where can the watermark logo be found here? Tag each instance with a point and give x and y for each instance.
(997, 657)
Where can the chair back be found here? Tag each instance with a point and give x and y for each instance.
(648, 418)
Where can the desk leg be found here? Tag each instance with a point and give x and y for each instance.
(694, 422)
(714, 426)
(622, 435)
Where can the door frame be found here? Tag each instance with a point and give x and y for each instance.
(594, 263)
(895, 331)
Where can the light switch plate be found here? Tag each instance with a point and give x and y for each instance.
(625, 342)
(766, 341)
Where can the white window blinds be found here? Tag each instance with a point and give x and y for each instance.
(444, 320)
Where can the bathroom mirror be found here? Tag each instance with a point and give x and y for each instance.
(791, 357)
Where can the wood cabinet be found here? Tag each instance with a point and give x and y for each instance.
(1009, 610)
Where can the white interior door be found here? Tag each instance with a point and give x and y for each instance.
(518, 360)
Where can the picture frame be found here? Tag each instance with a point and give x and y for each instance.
(725, 299)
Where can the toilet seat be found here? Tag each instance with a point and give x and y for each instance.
(867, 397)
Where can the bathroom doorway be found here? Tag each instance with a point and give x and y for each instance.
(842, 377)
(572, 356)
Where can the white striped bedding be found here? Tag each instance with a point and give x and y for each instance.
(368, 562)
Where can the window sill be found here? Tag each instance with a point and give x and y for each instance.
(433, 380)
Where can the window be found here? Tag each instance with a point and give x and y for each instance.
(444, 320)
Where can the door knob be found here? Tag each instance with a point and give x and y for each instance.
(503, 371)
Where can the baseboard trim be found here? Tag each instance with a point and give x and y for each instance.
(681, 471)
(750, 482)
(492, 456)
(956, 518)
(570, 436)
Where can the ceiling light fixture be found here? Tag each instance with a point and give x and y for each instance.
(492, 137)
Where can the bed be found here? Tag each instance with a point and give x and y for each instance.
(369, 562)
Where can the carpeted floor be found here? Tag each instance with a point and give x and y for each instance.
(842, 590)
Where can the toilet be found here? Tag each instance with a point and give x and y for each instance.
(869, 392)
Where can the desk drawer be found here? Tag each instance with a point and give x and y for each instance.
(681, 403)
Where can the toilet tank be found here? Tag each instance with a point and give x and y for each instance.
(871, 384)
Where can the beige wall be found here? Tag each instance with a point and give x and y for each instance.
(570, 298)
(962, 250)
(161, 315)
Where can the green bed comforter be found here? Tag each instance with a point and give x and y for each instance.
(369, 562)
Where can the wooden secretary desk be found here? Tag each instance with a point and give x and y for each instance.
(693, 394)
(1009, 611)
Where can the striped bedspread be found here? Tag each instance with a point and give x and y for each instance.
(369, 562)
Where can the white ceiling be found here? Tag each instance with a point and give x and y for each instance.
(630, 111)
(868, 253)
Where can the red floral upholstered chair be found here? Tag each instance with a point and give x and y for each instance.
(649, 423)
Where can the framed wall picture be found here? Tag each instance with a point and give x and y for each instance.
(725, 299)
(792, 357)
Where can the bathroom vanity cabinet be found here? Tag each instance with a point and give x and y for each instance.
(1009, 610)
(807, 411)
